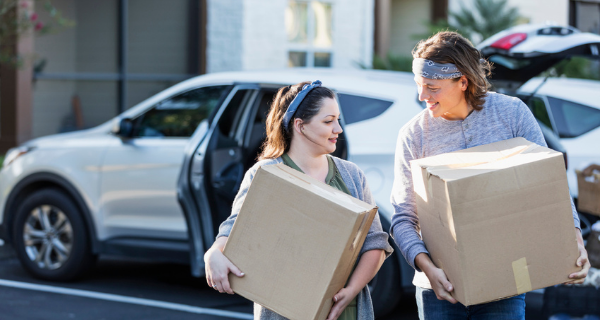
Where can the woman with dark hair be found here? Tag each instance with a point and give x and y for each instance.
(451, 78)
(302, 130)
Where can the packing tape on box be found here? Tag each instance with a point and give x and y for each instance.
(521, 273)
(432, 169)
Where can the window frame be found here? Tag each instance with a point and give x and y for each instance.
(309, 48)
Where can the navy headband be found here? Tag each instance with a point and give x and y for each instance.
(291, 110)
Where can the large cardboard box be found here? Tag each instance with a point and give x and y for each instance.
(497, 218)
(588, 199)
(296, 239)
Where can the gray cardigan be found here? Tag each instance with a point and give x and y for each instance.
(356, 182)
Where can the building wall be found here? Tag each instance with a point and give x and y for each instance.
(158, 43)
(535, 11)
(97, 51)
(51, 99)
(251, 34)
(353, 28)
(224, 30)
(409, 18)
(587, 17)
(264, 40)
(158, 36)
(241, 35)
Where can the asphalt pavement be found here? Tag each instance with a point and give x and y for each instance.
(128, 289)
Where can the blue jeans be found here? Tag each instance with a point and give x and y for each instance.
(430, 308)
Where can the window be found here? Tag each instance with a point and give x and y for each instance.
(573, 119)
(179, 116)
(357, 108)
(230, 119)
(308, 26)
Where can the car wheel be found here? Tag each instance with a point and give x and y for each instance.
(386, 287)
(50, 237)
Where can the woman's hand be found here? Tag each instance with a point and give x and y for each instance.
(440, 284)
(340, 301)
(437, 277)
(590, 169)
(582, 261)
(218, 267)
(365, 270)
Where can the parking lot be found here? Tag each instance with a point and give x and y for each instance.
(120, 288)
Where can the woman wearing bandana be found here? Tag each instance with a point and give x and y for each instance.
(461, 113)
(302, 130)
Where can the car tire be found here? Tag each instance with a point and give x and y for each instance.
(386, 287)
(50, 237)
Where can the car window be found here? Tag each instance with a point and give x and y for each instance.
(357, 108)
(180, 115)
(573, 119)
(538, 108)
(230, 119)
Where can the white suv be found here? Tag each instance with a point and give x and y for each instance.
(124, 188)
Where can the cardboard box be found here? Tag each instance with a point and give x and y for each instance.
(588, 199)
(497, 218)
(297, 240)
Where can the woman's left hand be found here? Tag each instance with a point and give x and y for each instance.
(582, 261)
(340, 301)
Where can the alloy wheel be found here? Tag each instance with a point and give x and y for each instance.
(48, 237)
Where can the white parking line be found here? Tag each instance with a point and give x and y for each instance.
(125, 299)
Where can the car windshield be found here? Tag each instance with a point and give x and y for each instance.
(573, 119)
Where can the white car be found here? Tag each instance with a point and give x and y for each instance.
(572, 109)
(124, 188)
(569, 107)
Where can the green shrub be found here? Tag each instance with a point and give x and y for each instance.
(575, 67)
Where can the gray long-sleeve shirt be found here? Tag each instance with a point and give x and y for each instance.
(356, 183)
(501, 118)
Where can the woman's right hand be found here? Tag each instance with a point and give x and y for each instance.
(218, 267)
(437, 278)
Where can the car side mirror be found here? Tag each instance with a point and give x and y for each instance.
(123, 128)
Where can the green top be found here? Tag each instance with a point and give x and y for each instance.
(334, 179)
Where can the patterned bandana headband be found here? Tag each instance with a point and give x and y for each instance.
(291, 110)
(433, 70)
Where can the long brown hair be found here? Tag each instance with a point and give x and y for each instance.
(451, 47)
(278, 138)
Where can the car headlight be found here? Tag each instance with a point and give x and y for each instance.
(14, 153)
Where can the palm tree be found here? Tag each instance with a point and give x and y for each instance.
(488, 18)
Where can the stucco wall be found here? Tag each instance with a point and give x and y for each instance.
(409, 18)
